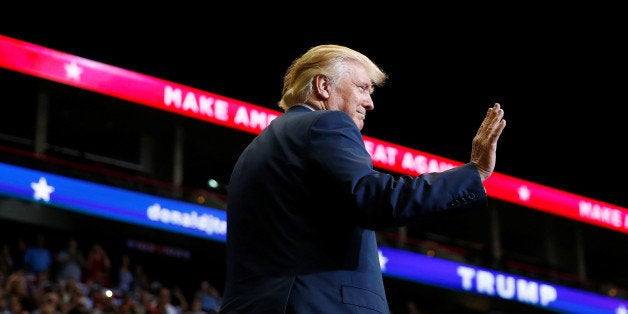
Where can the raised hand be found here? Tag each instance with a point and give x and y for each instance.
(484, 145)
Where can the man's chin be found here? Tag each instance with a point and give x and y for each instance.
(359, 123)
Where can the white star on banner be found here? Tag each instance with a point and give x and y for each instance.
(524, 193)
(73, 71)
(382, 260)
(621, 310)
(42, 190)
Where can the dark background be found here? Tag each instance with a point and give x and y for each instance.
(559, 75)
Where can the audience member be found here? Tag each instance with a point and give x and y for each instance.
(16, 306)
(37, 257)
(195, 307)
(146, 302)
(98, 265)
(209, 296)
(48, 304)
(6, 260)
(412, 307)
(125, 277)
(70, 262)
(163, 302)
(140, 278)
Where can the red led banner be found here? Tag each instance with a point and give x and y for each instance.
(38, 61)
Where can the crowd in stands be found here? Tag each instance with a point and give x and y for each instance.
(38, 279)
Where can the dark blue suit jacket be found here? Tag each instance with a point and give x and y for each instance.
(303, 204)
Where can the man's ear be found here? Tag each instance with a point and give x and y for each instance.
(322, 85)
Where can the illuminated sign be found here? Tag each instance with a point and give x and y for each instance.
(83, 73)
(113, 203)
(205, 222)
(463, 277)
(109, 80)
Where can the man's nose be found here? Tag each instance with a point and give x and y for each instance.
(369, 105)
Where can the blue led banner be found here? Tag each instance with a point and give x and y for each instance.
(113, 203)
(464, 277)
(201, 221)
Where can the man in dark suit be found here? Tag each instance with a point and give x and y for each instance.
(304, 199)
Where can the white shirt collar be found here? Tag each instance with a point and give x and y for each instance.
(306, 106)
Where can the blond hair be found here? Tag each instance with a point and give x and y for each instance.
(328, 60)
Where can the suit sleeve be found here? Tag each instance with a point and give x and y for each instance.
(380, 199)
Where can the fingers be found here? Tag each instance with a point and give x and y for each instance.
(493, 123)
(498, 123)
(500, 127)
(495, 114)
